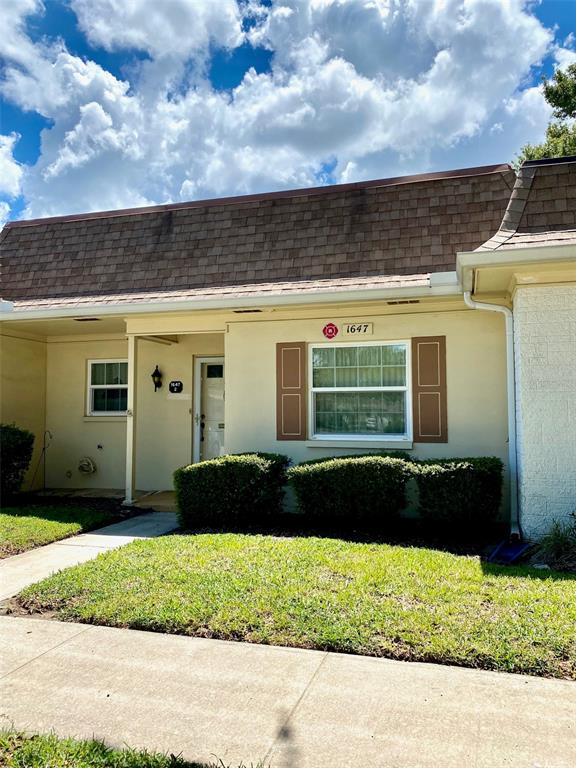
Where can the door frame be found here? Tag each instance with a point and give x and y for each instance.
(197, 404)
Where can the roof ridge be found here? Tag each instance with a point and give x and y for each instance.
(241, 199)
(549, 161)
(514, 210)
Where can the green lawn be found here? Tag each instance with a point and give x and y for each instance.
(20, 751)
(375, 599)
(23, 528)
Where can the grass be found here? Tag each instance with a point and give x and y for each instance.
(374, 599)
(23, 528)
(20, 751)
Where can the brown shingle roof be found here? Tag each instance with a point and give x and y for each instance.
(235, 292)
(406, 226)
(542, 207)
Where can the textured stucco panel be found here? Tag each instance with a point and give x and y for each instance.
(545, 345)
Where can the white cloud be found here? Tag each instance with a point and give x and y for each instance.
(565, 53)
(378, 86)
(4, 213)
(564, 57)
(10, 170)
(14, 45)
(173, 28)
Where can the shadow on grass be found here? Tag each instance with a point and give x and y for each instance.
(403, 532)
(57, 514)
(525, 571)
(406, 532)
(68, 509)
(18, 749)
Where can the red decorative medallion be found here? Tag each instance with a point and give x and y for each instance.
(330, 330)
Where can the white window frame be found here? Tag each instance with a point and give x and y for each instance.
(90, 387)
(407, 388)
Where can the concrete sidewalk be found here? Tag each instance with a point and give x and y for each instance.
(19, 571)
(289, 707)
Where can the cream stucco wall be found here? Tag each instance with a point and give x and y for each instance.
(163, 421)
(545, 349)
(75, 434)
(476, 381)
(23, 393)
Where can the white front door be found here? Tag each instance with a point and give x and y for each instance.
(208, 408)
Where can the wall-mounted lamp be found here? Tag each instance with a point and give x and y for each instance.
(157, 378)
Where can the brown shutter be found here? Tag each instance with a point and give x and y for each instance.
(291, 391)
(429, 389)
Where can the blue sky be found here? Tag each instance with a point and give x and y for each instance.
(106, 104)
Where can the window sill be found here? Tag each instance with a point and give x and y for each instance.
(392, 445)
(105, 419)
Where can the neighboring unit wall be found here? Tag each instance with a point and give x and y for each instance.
(76, 435)
(545, 343)
(23, 393)
(476, 381)
(163, 420)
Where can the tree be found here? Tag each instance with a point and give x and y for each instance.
(560, 93)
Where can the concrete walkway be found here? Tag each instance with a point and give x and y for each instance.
(289, 707)
(19, 571)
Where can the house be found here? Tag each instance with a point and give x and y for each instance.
(433, 313)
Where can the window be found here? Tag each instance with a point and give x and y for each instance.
(361, 391)
(107, 387)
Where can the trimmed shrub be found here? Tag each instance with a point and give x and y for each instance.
(389, 454)
(359, 489)
(276, 479)
(233, 488)
(460, 491)
(15, 454)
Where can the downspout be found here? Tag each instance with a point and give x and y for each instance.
(515, 530)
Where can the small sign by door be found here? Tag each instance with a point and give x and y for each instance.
(175, 387)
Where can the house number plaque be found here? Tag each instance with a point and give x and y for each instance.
(357, 329)
(331, 330)
(175, 387)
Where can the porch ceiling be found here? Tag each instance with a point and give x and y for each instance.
(504, 279)
(500, 272)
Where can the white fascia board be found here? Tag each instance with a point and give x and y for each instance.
(468, 261)
(277, 300)
(438, 279)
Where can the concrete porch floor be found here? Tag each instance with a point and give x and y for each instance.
(158, 501)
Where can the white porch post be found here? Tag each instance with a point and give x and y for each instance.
(130, 418)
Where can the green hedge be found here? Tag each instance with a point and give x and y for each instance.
(388, 454)
(460, 491)
(359, 489)
(16, 447)
(233, 488)
(276, 479)
(363, 489)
